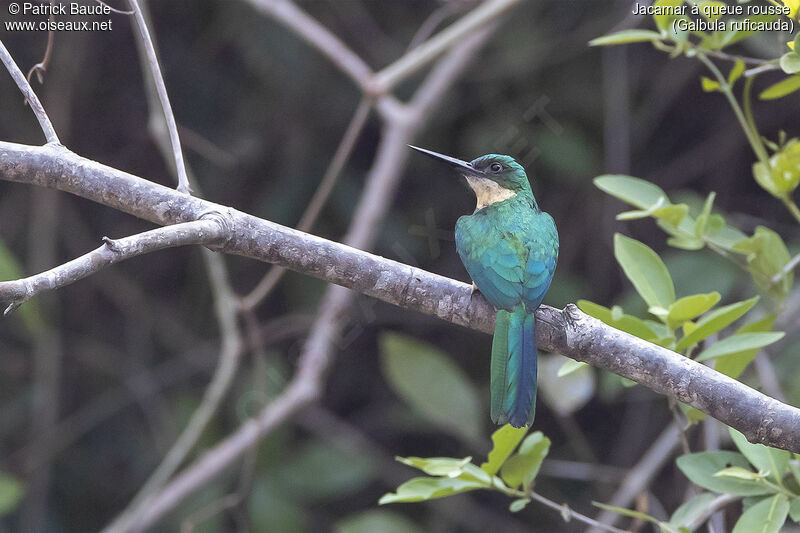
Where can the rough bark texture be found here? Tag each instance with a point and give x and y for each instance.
(569, 332)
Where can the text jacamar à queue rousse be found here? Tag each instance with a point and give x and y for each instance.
(711, 10)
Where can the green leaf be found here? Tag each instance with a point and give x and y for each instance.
(634, 191)
(671, 214)
(736, 72)
(708, 85)
(726, 237)
(734, 364)
(437, 466)
(763, 176)
(715, 321)
(739, 343)
(431, 384)
(626, 36)
(633, 215)
(428, 488)
(686, 243)
(376, 520)
(767, 516)
(518, 505)
(764, 458)
(739, 473)
(11, 492)
(646, 271)
(714, 225)
(794, 510)
(570, 366)
(766, 255)
(504, 441)
(690, 307)
(522, 468)
(691, 509)
(790, 62)
(794, 468)
(473, 473)
(701, 467)
(782, 88)
(627, 323)
(664, 21)
(703, 218)
(626, 512)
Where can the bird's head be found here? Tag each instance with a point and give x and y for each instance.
(493, 177)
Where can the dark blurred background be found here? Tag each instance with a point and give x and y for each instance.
(115, 364)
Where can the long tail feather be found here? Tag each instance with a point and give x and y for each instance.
(513, 379)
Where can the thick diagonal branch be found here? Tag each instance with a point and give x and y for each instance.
(570, 332)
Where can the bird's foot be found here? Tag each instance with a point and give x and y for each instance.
(475, 288)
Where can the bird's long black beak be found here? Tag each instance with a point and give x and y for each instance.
(460, 165)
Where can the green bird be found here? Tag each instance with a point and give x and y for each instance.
(509, 248)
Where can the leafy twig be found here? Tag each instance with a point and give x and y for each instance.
(752, 136)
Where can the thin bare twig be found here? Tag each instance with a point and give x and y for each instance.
(718, 503)
(377, 84)
(317, 35)
(758, 70)
(29, 94)
(567, 513)
(735, 57)
(113, 9)
(41, 67)
(439, 15)
(228, 363)
(787, 268)
(766, 374)
(640, 475)
(321, 195)
(423, 54)
(231, 344)
(108, 404)
(206, 231)
(161, 89)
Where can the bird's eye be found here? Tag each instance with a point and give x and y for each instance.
(495, 167)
